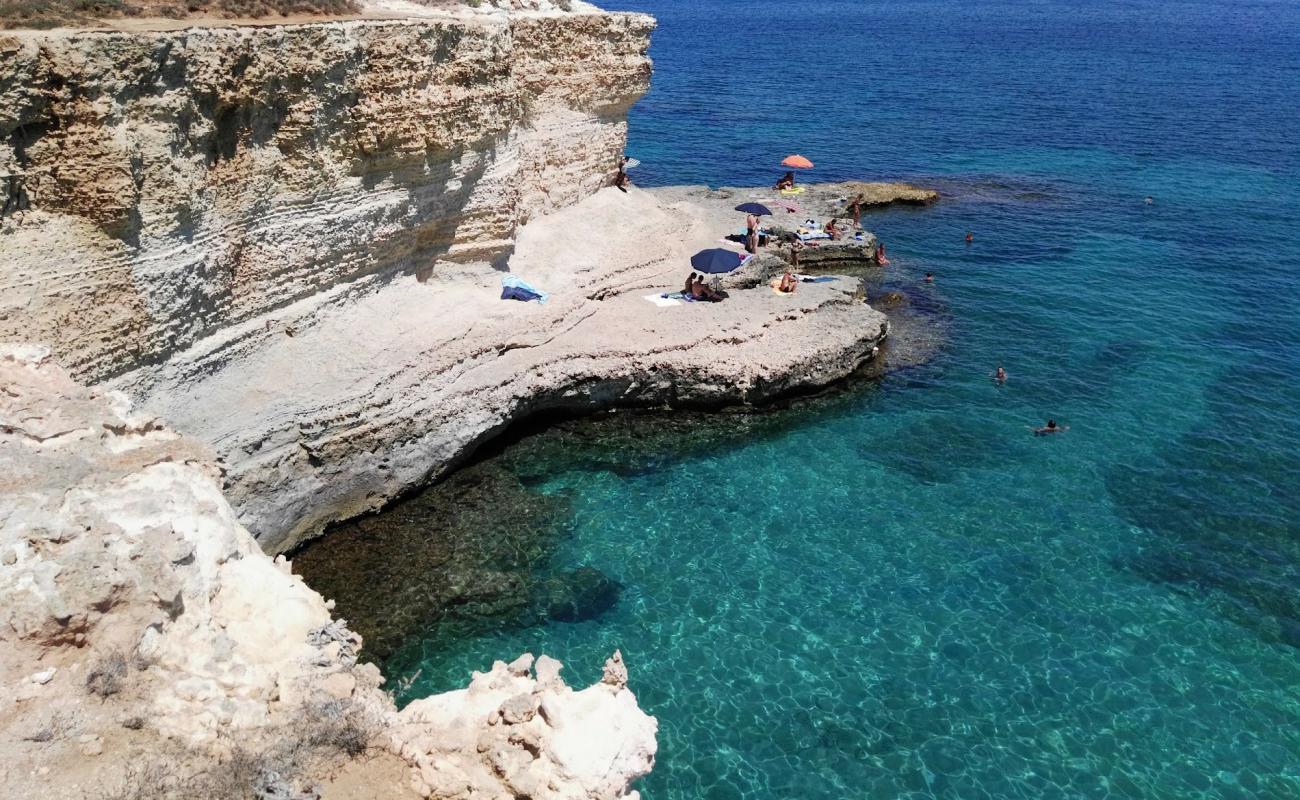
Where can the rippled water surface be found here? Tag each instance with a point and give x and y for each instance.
(899, 591)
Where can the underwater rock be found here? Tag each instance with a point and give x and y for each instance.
(464, 552)
(582, 594)
(889, 301)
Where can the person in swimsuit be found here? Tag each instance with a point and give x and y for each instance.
(622, 181)
(855, 208)
(690, 285)
(700, 291)
(880, 255)
(970, 237)
(786, 182)
(1049, 429)
(1001, 375)
(751, 239)
(788, 283)
(833, 229)
(796, 247)
(929, 277)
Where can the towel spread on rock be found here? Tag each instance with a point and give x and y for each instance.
(515, 288)
(663, 300)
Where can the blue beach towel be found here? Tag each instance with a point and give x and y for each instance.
(515, 293)
(515, 288)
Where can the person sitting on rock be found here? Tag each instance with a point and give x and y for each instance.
(833, 230)
(622, 181)
(689, 290)
(788, 283)
(786, 182)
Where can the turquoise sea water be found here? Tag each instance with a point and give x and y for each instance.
(901, 592)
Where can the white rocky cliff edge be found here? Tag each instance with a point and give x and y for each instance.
(147, 643)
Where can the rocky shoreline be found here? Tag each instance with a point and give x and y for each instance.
(287, 243)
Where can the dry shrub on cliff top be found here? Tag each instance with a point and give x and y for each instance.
(244, 775)
(340, 725)
(107, 674)
(84, 13)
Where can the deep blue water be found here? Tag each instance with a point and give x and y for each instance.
(903, 593)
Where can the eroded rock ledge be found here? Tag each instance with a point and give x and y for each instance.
(367, 399)
(146, 643)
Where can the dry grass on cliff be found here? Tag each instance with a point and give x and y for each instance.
(83, 13)
(284, 763)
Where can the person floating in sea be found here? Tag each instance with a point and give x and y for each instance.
(1001, 375)
(970, 237)
(1149, 200)
(880, 255)
(1050, 428)
(929, 277)
(786, 182)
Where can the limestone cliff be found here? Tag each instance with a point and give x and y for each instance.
(148, 648)
(288, 241)
(190, 180)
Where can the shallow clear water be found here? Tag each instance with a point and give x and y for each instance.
(903, 592)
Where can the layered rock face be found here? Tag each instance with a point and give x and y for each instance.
(139, 621)
(193, 180)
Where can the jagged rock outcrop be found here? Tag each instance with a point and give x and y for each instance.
(538, 740)
(136, 612)
(191, 180)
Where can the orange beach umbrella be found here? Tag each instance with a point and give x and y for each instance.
(797, 162)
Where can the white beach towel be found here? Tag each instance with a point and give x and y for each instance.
(661, 301)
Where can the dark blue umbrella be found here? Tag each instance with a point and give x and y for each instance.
(754, 208)
(716, 260)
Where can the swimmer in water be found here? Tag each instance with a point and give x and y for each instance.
(970, 237)
(1149, 200)
(929, 277)
(1001, 375)
(1051, 428)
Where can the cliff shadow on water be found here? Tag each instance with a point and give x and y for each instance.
(477, 551)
